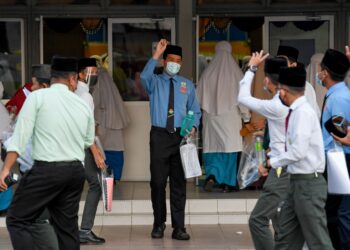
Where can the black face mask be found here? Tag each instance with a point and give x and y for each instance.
(283, 101)
(92, 82)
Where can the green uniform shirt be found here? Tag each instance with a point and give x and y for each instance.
(60, 122)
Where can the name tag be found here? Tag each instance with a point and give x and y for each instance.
(183, 87)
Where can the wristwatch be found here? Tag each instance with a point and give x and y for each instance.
(253, 68)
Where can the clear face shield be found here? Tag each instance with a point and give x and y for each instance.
(91, 78)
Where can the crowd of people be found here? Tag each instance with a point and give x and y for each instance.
(71, 101)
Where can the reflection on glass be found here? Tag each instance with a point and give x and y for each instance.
(12, 2)
(243, 33)
(132, 47)
(203, 2)
(142, 2)
(10, 57)
(309, 37)
(59, 2)
(303, 1)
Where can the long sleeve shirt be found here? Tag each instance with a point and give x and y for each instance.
(83, 92)
(304, 144)
(157, 87)
(61, 125)
(337, 103)
(274, 111)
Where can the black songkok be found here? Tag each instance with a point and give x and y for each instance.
(336, 62)
(274, 64)
(288, 51)
(172, 49)
(86, 62)
(293, 77)
(66, 64)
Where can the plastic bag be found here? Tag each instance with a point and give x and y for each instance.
(337, 171)
(248, 171)
(107, 179)
(189, 159)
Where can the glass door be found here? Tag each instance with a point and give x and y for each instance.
(130, 45)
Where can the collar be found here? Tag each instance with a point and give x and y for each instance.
(335, 87)
(298, 102)
(60, 86)
(83, 86)
(166, 77)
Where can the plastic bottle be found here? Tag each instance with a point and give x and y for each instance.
(259, 149)
(187, 124)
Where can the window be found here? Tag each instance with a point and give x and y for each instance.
(133, 41)
(66, 2)
(11, 55)
(142, 2)
(309, 35)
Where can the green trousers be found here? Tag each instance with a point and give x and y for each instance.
(302, 216)
(274, 191)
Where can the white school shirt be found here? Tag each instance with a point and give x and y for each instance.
(305, 150)
(274, 111)
(83, 92)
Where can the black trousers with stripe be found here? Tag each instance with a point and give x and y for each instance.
(166, 162)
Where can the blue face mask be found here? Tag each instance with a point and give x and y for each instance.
(318, 80)
(172, 68)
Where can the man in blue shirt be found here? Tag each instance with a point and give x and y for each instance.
(334, 67)
(171, 97)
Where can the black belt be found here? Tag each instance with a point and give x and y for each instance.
(57, 163)
(176, 130)
(305, 176)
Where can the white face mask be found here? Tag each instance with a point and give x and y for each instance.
(172, 68)
(318, 80)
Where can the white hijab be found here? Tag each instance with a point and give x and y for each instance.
(311, 71)
(218, 86)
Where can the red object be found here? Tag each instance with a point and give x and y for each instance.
(18, 99)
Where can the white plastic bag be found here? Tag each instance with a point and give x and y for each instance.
(248, 171)
(107, 185)
(189, 159)
(337, 171)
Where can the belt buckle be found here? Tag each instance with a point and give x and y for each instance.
(172, 131)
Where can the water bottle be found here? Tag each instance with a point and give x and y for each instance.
(259, 149)
(187, 124)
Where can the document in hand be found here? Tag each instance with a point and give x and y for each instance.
(190, 161)
(337, 171)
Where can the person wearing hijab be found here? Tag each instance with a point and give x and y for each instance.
(217, 93)
(111, 118)
(292, 55)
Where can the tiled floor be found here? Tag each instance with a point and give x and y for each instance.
(137, 190)
(213, 237)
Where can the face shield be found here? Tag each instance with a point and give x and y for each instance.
(91, 78)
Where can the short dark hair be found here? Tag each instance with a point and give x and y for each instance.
(334, 76)
(62, 74)
(273, 78)
(42, 80)
(294, 90)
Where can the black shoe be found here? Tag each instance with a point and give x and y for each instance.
(180, 234)
(88, 237)
(209, 184)
(158, 231)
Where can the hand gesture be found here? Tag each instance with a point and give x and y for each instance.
(347, 52)
(262, 170)
(161, 46)
(3, 174)
(345, 140)
(257, 58)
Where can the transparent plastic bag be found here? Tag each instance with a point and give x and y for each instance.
(248, 171)
(189, 159)
(107, 179)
